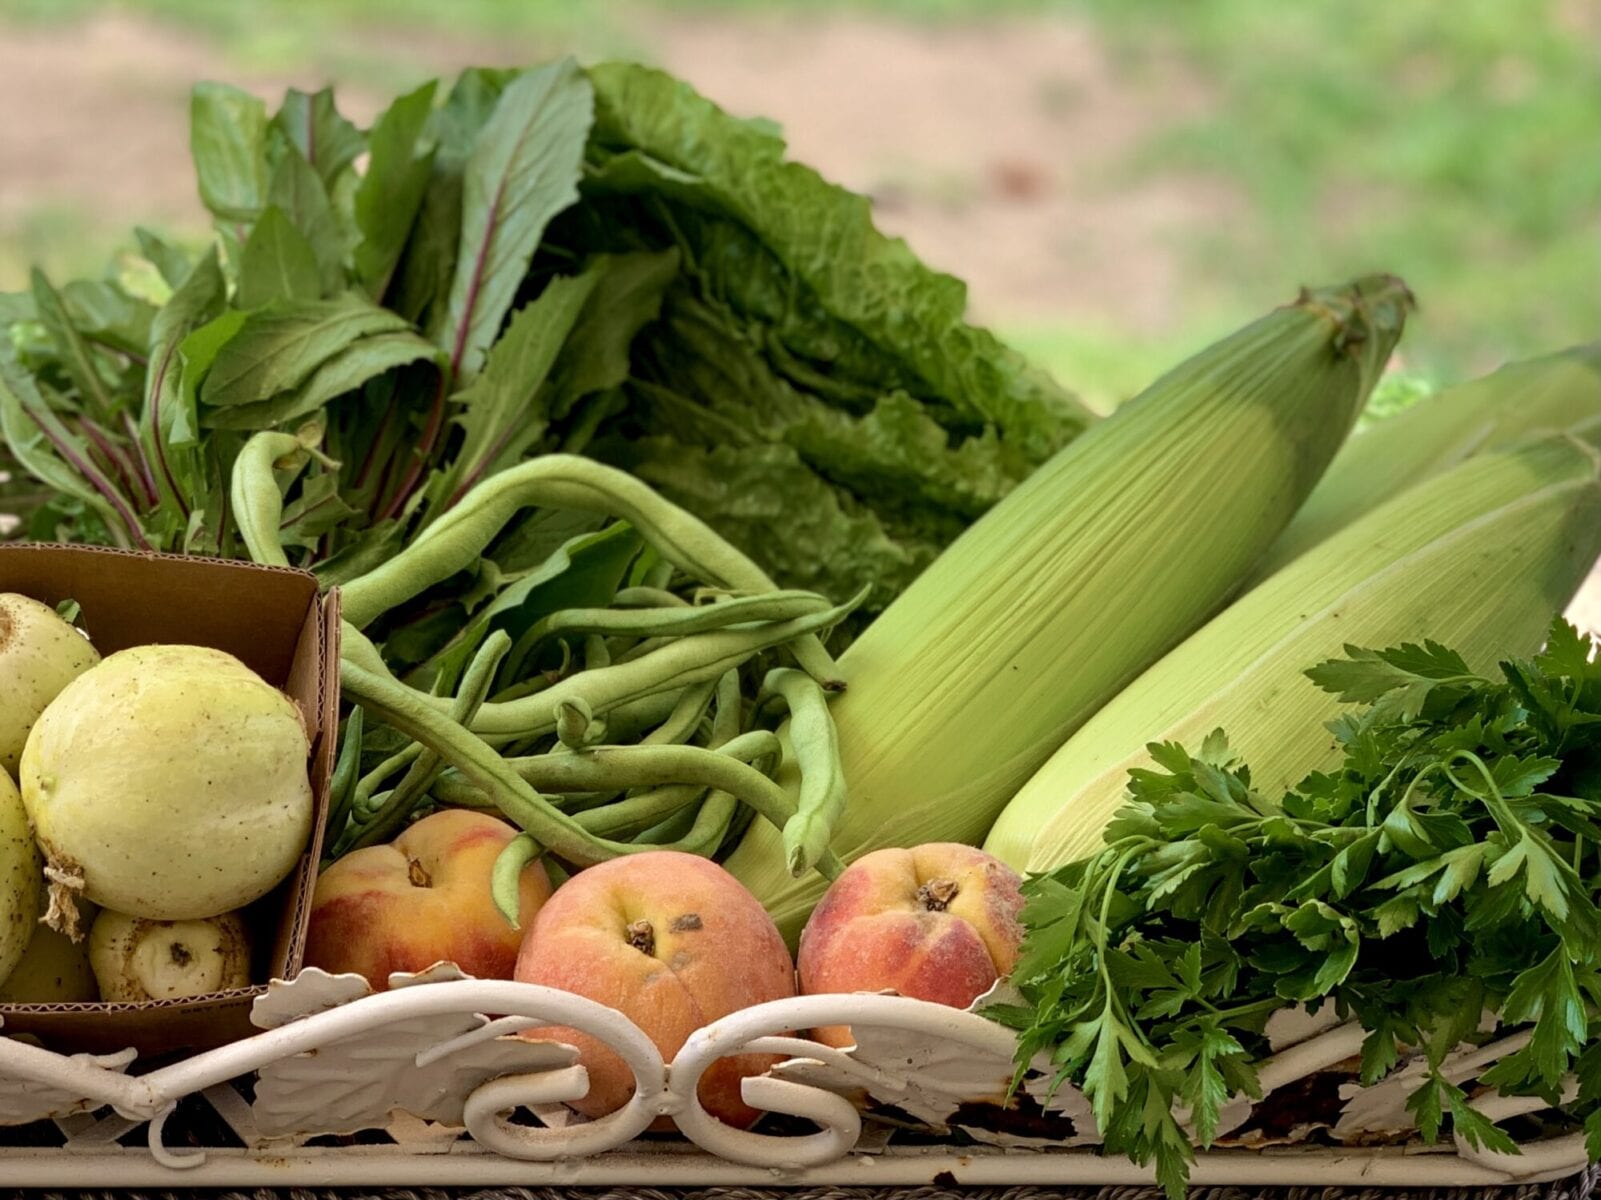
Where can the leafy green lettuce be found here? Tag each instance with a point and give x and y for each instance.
(554, 259)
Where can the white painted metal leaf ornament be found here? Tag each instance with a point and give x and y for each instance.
(424, 1061)
(936, 1066)
(28, 1095)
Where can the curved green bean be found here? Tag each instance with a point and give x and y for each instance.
(457, 539)
(677, 826)
(640, 811)
(648, 597)
(685, 720)
(710, 827)
(413, 786)
(576, 726)
(342, 787)
(365, 802)
(666, 621)
(403, 709)
(815, 745)
(730, 714)
(689, 660)
(257, 502)
(733, 767)
(506, 877)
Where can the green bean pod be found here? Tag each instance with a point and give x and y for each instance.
(408, 712)
(257, 502)
(413, 786)
(369, 796)
(648, 597)
(342, 787)
(709, 829)
(730, 713)
(506, 877)
(677, 826)
(458, 539)
(640, 811)
(689, 660)
(576, 726)
(681, 620)
(814, 742)
(735, 767)
(685, 719)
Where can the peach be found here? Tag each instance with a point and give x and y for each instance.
(673, 942)
(422, 899)
(938, 922)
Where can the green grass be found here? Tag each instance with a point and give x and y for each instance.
(1452, 142)
(1449, 141)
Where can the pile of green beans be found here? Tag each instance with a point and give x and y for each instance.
(598, 731)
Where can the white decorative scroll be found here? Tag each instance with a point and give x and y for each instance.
(436, 1056)
(425, 1065)
(34, 1087)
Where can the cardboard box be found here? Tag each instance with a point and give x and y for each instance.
(274, 621)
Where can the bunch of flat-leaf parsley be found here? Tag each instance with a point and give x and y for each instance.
(1447, 867)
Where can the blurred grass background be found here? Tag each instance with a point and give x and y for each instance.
(1120, 180)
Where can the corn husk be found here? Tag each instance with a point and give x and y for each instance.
(1102, 560)
(1554, 394)
(1478, 559)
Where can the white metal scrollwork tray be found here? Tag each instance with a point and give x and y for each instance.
(414, 1086)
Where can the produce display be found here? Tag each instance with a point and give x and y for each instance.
(937, 922)
(163, 789)
(1441, 869)
(170, 783)
(727, 619)
(135, 959)
(421, 899)
(52, 970)
(672, 942)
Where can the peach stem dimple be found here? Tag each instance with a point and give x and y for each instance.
(418, 876)
(936, 895)
(642, 937)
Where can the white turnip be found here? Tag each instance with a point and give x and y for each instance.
(168, 782)
(135, 959)
(19, 878)
(39, 655)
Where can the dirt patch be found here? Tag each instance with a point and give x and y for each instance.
(994, 148)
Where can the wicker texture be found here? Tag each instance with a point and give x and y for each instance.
(1575, 1187)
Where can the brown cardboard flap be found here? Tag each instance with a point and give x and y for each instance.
(274, 621)
(135, 599)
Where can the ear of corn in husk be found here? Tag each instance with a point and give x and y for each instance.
(1553, 394)
(1104, 558)
(1477, 559)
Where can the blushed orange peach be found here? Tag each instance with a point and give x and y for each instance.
(673, 942)
(421, 899)
(938, 922)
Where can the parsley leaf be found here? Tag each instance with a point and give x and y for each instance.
(1446, 866)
